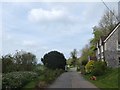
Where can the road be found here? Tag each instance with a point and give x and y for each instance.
(71, 79)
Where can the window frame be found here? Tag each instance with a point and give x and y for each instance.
(118, 46)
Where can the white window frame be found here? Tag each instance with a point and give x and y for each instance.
(102, 55)
(97, 45)
(105, 46)
(100, 42)
(102, 49)
(98, 51)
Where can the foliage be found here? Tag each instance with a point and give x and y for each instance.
(89, 66)
(39, 69)
(74, 57)
(99, 68)
(82, 69)
(106, 24)
(108, 81)
(69, 61)
(84, 62)
(96, 67)
(17, 79)
(74, 54)
(7, 60)
(24, 60)
(51, 75)
(47, 77)
(20, 61)
(54, 60)
(84, 55)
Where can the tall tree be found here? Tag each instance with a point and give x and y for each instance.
(106, 24)
(24, 60)
(84, 55)
(74, 57)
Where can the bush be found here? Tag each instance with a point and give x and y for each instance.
(89, 66)
(99, 68)
(40, 69)
(82, 69)
(17, 79)
(54, 60)
(51, 75)
(84, 62)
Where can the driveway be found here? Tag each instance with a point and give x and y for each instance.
(71, 79)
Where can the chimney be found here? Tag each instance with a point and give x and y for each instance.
(119, 11)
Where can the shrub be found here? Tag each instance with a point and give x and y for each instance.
(84, 62)
(51, 75)
(89, 66)
(99, 68)
(17, 79)
(54, 60)
(78, 68)
(82, 69)
(40, 69)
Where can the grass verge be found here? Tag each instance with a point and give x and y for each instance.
(108, 81)
(43, 80)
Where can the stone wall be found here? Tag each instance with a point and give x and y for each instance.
(111, 50)
(111, 58)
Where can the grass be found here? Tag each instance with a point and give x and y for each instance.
(33, 83)
(108, 81)
(43, 80)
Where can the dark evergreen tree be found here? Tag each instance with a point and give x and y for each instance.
(54, 60)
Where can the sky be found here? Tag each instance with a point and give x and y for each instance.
(41, 27)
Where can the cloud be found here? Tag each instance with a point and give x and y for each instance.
(58, 1)
(29, 43)
(53, 15)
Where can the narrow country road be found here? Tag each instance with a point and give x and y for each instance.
(71, 79)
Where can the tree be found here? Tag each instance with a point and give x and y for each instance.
(54, 60)
(20, 61)
(69, 61)
(74, 57)
(24, 60)
(7, 63)
(106, 24)
(84, 55)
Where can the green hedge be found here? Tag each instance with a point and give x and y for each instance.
(96, 67)
(17, 79)
(99, 68)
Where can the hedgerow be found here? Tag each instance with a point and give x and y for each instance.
(17, 79)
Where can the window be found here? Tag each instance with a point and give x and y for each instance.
(118, 45)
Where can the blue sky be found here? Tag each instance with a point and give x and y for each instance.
(45, 26)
